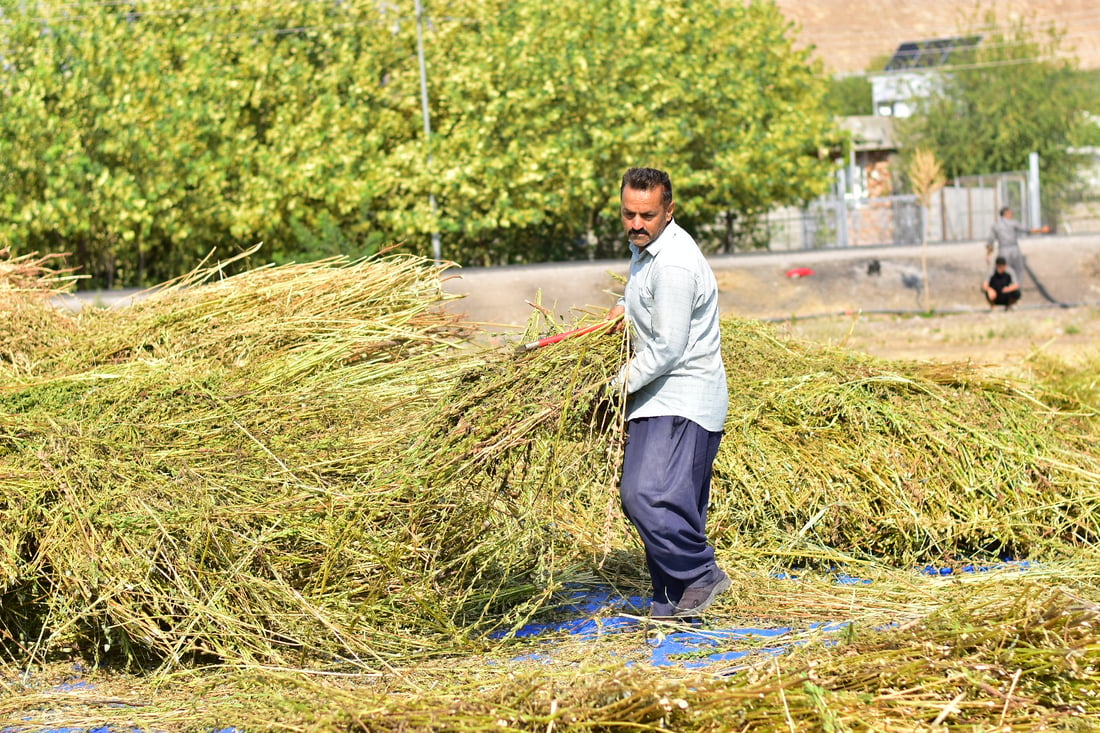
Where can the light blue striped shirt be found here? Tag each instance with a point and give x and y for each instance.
(671, 303)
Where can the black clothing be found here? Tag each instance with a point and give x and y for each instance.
(999, 281)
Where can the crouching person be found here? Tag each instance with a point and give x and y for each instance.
(1002, 287)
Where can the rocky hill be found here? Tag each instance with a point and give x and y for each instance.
(851, 34)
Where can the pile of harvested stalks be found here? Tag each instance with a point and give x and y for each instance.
(27, 324)
(205, 474)
(832, 455)
(310, 467)
(997, 653)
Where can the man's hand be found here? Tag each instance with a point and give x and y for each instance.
(614, 389)
(616, 313)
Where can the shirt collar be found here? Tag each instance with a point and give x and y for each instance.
(654, 247)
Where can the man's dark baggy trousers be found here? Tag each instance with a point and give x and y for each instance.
(665, 491)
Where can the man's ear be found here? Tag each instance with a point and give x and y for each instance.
(671, 206)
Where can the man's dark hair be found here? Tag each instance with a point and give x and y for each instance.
(1004, 209)
(1000, 261)
(647, 179)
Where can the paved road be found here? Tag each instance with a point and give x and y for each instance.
(98, 298)
(1065, 270)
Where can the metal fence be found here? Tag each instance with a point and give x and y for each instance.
(962, 210)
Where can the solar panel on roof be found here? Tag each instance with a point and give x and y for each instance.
(929, 53)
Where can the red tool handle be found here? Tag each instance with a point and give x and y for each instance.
(562, 336)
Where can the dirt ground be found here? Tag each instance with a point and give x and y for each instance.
(1007, 343)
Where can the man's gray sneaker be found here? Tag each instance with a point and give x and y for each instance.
(698, 598)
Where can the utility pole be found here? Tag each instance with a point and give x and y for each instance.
(1034, 200)
(436, 248)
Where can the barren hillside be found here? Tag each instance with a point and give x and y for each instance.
(850, 34)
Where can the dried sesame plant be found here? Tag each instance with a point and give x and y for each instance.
(301, 497)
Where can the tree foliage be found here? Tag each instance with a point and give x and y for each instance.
(1012, 96)
(139, 136)
(849, 96)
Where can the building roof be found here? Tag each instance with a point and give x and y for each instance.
(929, 54)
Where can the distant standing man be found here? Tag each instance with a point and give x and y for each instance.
(1005, 236)
(677, 397)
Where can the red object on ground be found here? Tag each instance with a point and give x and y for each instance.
(799, 272)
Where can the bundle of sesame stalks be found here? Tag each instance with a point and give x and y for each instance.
(313, 468)
(33, 277)
(833, 456)
(1022, 658)
(27, 283)
(208, 473)
(1004, 650)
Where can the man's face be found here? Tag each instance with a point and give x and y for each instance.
(1008, 213)
(644, 215)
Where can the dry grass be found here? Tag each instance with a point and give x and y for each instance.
(297, 498)
(1053, 346)
(998, 651)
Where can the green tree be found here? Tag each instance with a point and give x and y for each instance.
(1011, 97)
(140, 136)
(1088, 134)
(542, 106)
(849, 96)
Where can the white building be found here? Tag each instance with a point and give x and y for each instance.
(910, 74)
